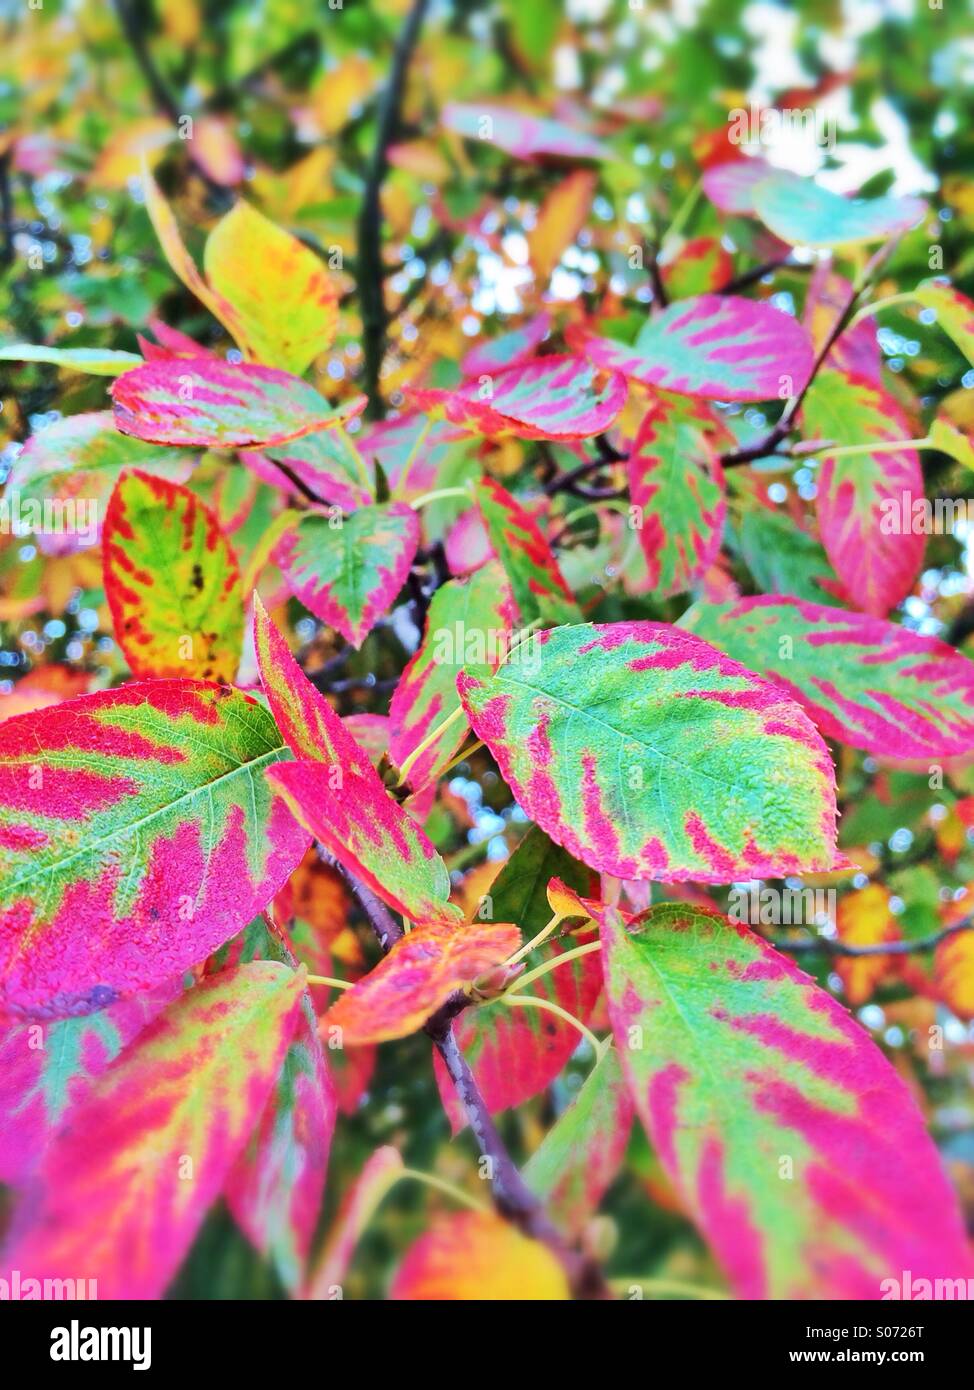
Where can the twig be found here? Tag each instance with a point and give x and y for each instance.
(162, 98)
(758, 272)
(369, 270)
(769, 443)
(512, 1197)
(832, 946)
(6, 210)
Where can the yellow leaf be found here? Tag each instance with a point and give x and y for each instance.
(561, 218)
(285, 300)
(121, 158)
(863, 918)
(338, 95)
(478, 1257)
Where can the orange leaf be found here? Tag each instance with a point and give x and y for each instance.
(560, 219)
(418, 975)
(863, 918)
(476, 1256)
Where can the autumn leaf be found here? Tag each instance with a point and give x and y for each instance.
(172, 581)
(478, 1256)
(787, 1133)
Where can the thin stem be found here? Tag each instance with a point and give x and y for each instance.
(868, 310)
(549, 1006)
(330, 981)
(550, 965)
(536, 941)
(441, 1185)
(462, 756)
(436, 494)
(413, 455)
(428, 741)
(360, 464)
(621, 1285)
(885, 446)
(832, 946)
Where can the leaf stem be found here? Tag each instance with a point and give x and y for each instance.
(535, 941)
(413, 455)
(436, 494)
(867, 310)
(551, 964)
(410, 762)
(884, 446)
(549, 1006)
(330, 981)
(442, 1185)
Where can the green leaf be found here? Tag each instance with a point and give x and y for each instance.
(791, 1140)
(650, 756)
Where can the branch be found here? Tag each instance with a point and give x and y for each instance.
(6, 211)
(369, 269)
(758, 272)
(512, 1197)
(833, 947)
(162, 98)
(769, 443)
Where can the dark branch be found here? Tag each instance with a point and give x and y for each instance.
(769, 443)
(369, 269)
(512, 1197)
(831, 945)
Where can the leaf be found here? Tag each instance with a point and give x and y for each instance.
(46, 1072)
(285, 300)
(515, 1053)
(650, 755)
(94, 361)
(518, 133)
(275, 1188)
(783, 558)
(730, 186)
(953, 965)
(82, 457)
(325, 462)
(478, 1256)
(171, 581)
(137, 834)
(561, 217)
(945, 436)
(800, 211)
(419, 974)
(576, 1162)
(955, 313)
(469, 621)
(337, 793)
(202, 401)
(676, 481)
(511, 349)
(716, 346)
(557, 397)
(869, 683)
(348, 569)
(166, 229)
(381, 1171)
(863, 918)
(539, 588)
(865, 501)
(122, 1190)
(793, 1143)
(701, 265)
